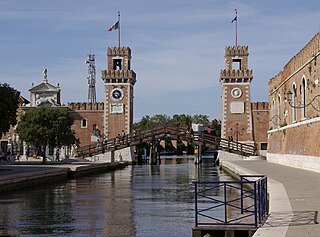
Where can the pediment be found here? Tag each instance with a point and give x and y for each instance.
(44, 87)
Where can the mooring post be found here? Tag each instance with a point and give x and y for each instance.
(158, 153)
(197, 153)
(112, 156)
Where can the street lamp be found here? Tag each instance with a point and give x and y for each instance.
(315, 103)
(276, 119)
(237, 132)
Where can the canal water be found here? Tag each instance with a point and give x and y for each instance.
(138, 201)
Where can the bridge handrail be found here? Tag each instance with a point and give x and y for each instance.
(161, 132)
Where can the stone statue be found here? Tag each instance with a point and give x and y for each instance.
(44, 72)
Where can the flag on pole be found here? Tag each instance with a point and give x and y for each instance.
(115, 26)
(234, 19)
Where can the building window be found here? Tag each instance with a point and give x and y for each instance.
(263, 146)
(117, 64)
(272, 114)
(303, 95)
(236, 64)
(279, 111)
(84, 123)
(294, 103)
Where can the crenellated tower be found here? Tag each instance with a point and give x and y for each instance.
(236, 105)
(119, 81)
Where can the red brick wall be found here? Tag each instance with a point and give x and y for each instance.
(260, 122)
(298, 136)
(93, 113)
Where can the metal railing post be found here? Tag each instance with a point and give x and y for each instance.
(241, 193)
(259, 199)
(196, 202)
(255, 204)
(225, 204)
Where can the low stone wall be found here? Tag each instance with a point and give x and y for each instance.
(26, 179)
(227, 156)
(311, 163)
(123, 155)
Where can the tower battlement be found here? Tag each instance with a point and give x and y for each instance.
(118, 74)
(243, 74)
(86, 106)
(237, 50)
(119, 51)
(236, 57)
(259, 106)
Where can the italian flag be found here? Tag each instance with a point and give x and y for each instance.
(115, 26)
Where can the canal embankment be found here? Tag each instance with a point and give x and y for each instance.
(293, 197)
(25, 174)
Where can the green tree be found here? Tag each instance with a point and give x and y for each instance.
(159, 119)
(215, 125)
(182, 120)
(144, 123)
(9, 102)
(199, 118)
(44, 126)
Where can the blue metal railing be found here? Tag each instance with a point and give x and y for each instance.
(243, 202)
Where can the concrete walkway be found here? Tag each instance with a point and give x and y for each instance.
(24, 173)
(295, 198)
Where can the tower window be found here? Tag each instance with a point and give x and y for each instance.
(84, 123)
(236, 64)
(117, 64)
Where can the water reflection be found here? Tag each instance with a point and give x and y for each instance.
(140, 201)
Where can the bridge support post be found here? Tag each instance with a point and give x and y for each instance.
(112, 156)
(155, 155)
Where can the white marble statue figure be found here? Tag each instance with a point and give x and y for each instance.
(45, 74)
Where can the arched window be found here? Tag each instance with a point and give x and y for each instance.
(84, 123)
(303, 97)
(272, 113)
(279, 111)
(294, 102)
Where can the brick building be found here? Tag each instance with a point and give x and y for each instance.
(96, 121)
(242, 120)
(295, 110)
(88, 121)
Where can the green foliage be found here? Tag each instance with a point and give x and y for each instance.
(215, 125)
(44, 126)
(203, 119)
(181, 120)
(9, 102)
(152, 122)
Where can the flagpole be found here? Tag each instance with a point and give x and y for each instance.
(119, 29)
(236, 27)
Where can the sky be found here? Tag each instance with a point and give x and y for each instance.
(177, 46)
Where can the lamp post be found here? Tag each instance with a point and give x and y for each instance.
(315, 103)
(237, 132)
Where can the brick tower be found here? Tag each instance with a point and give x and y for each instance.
(119, 81)
(236, 105)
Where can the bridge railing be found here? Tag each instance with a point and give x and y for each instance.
(242, 203)
(225, 144)
(161, 132)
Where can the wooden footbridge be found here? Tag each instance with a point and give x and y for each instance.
(153, 136)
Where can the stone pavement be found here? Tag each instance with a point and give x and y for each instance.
(295, 195)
